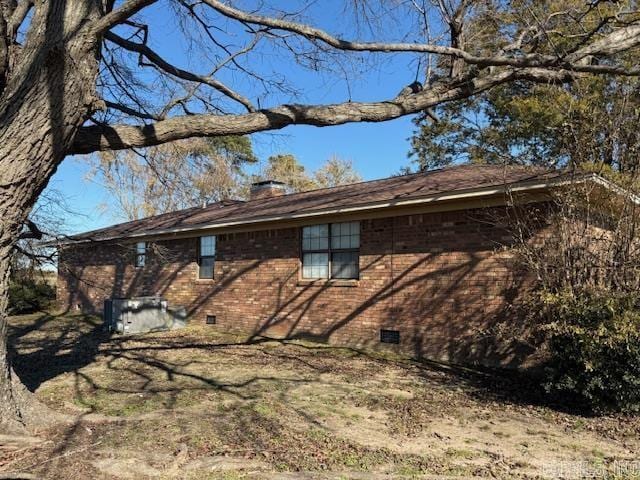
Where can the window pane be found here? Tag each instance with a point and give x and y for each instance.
(206, 267)
(315, 237)
(315, 265)
(345, 235)
(344, 265)
(141, 248)
(207, 246)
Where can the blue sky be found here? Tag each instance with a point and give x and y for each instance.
(377, 150)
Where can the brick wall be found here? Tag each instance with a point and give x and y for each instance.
(441, 279)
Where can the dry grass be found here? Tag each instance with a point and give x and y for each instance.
(195, 403)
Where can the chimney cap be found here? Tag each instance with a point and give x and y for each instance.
(266, 183)
(267, 189)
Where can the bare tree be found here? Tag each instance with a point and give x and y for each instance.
(173, 176)
(584, 241)
(336, 171)
(287, 169)
(80, 76)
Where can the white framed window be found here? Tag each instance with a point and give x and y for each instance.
(331, 251)
(141, 254)
(206, 256)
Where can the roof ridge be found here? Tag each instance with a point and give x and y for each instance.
(231, 202)
(422, 172)
(348, 193)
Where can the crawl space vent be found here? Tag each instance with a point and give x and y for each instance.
(211, 319)
(390, 336)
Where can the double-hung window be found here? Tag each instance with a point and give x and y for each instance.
(206, 256)
(331, 251)
(141, 254)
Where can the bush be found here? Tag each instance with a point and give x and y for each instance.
(594, 349)
(27, 295)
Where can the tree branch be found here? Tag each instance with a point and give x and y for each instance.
(158, 61)
(120, 14)
(131, 111)
(100, 138)
(34, 231)
(618, 41)
(457, 35)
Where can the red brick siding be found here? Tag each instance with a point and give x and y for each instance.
(439, 278)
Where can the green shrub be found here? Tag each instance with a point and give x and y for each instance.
(28, 295)
(594, 347)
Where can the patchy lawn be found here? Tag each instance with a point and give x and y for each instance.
(196, 404)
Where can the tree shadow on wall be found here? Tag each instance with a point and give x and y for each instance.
(51, 346)
(420, 302)
(421, 289)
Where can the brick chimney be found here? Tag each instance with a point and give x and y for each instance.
(267, 189)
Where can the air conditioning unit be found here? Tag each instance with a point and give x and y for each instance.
(142, 314)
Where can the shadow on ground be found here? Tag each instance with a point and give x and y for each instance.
(46, 345)
(196, 403)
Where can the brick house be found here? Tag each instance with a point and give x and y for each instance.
(418, 263)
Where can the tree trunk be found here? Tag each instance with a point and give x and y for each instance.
(48, 96)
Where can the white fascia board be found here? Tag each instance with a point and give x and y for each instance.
(608, 184)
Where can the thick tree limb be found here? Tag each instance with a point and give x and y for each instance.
(119, 15)
(313, 33)
(618, 41)
(99, 138)
(158, 61)
(457, 34)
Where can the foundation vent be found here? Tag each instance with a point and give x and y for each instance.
(211, 320)
(390, 336)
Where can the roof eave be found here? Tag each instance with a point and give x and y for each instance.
(476, 193)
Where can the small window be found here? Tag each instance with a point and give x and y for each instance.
(141, 254)
(331, 251)
(206, 256)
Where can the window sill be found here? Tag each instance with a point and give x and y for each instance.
(328, 283)
(205, 280)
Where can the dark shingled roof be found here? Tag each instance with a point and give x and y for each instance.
(405, 187)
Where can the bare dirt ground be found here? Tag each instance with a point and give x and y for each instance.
(198, 404)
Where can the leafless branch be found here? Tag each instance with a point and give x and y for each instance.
(132, 112)
(95, 138)
(158, 61)
(33, 231)
(120, 15)
(615, 42)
